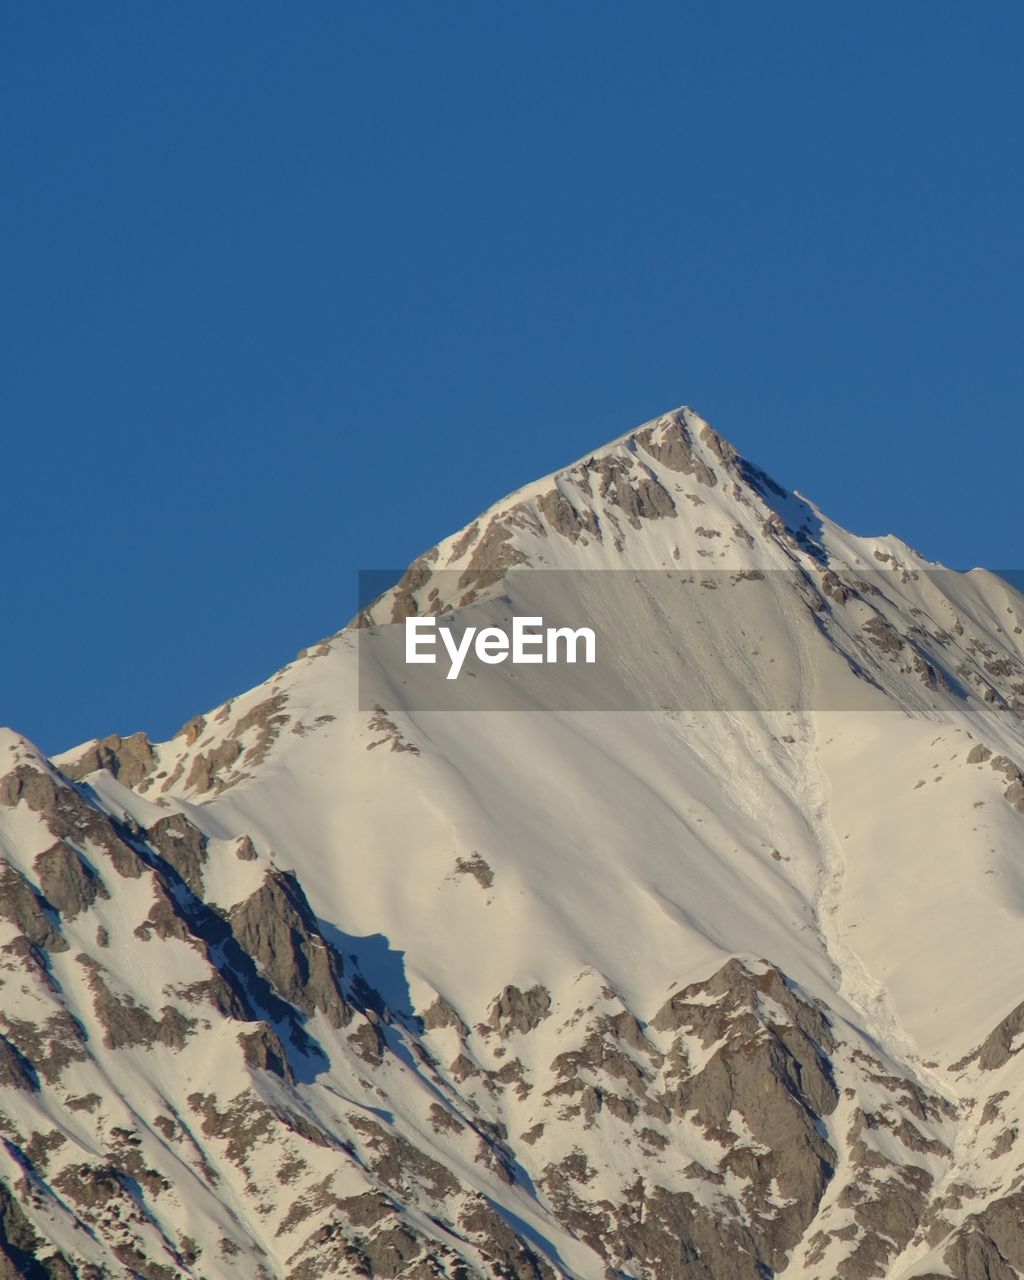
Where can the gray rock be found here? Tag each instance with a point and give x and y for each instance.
(68, 882)
(48, 1046)
(36, 787)
(68, 814)
(22, 1251)
(263, 1051)
(215, 769)
(15, 1069)
(883, 635)
(441, 1014)
(192, 730)
(635, 490)
(279, 931)
(492, 556)
(392, 735)
(566, 519)
(166, 917)
(245, 851)
(511, 1257)
(30, 913)
(674, 448)
(183, 845)
(997, 1049)
(833, 588)
(515, 1010)
(1004, 765)
(990, 1244)
(477, 867)
(400, 1165)
(416, 577)
(1014, 794)
(776, 1075)
(131, 760)
(126, 1023)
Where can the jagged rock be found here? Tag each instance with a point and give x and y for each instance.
(477, 867)
(242, 1124)
(389, 1252)
(368, 1042)
(35, 786)
(404, 604)
(223, 991)
(262, 1050)
(883, 634)
(888, 1211)
(1004, 765)
(41, 1146)
(214, 769)
(515, 1010)
(565, 518)
(192, 730)
(978, 754)
(673, 1238)
(131, 760)
(166, 918)
(279, 931)
(379, 723)
(501, 1245)
(181, 844)
(126, 1023)
(22, 1251)
(399, 1164)
(441, 1014)
(68, 815)
(669, 442)
(639, 496)
(929, 674)
(91, 1186)
(48, 1046)
(990, 1243)
(775, 1074)
(245, 851)
(15, 1069)
(67, 881)
(833, 588)
(28, 911)
(999, 1047)
(492, 557)
(210, 768)
(1014, 794)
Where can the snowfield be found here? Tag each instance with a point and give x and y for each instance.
(702, 963)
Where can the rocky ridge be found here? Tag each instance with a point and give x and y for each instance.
(238, 1040)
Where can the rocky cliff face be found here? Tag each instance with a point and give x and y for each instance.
(314, 990)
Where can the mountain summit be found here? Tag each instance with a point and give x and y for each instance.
(703, 964)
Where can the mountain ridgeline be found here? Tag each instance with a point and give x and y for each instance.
(699, 963)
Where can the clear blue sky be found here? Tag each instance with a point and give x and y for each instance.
(289, 290)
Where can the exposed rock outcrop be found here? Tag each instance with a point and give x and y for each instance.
(277, 928)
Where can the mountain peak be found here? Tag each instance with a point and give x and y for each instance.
(682, 992)
(670, 493)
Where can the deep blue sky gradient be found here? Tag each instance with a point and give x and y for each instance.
(290, 290)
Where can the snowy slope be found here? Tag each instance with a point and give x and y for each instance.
(701, 964)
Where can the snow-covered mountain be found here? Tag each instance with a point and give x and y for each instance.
(706, 964)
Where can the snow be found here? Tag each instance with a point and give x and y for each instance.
(639, 848)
